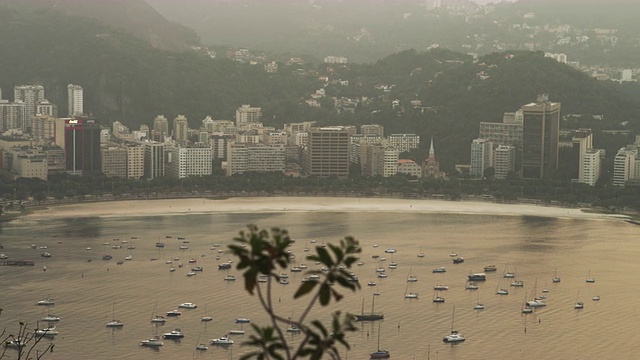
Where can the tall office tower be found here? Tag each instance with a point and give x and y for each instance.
(373, 130)
(481, 157)
(540, 132)
(75, 98)
(154, 160)
(44, 107)
(504, 161)
(327, 152)
(582, 141)
(82, 146)
(180, 128)
(246, 114)
(30, 95)
(625, 165)
(12, 115)
(161, 126)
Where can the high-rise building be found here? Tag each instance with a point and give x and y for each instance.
(624, 165)
(180, 128)
(44, 107)
(75, 100)
(30, 95)
(504, 161)
(591, 167)
(135, 161)
(82, 146)
(327, 152)
(114, 162)
(43, 127)
(12, 115)
(582, 141)
(481, 157)
(246, 114)
(161, 126)
(189, 161)
(540, 132)
(154, 160)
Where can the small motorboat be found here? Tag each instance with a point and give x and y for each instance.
(292, 329)
(46, 302)
(174, 313)
(202, 347)
(174, 334)
(222, 340)
(115, 324)
(188, 305)
(242, 320)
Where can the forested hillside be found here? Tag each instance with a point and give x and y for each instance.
(126, 79)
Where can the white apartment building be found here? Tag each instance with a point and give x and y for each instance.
(135, 161)
(481, 156)
(372, 130)
(30, 95)
(404, 142)
(591, 167)
(75, 96)
(246, 157)
(391, 158)
(13, 115)
(504, 161)
(189, 161)
(180, 128)
(161, 125)
(44, 107)
(624, 165)
(247, 114)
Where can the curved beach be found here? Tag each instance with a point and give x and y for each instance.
(304, 204)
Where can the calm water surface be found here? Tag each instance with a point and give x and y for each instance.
(89, 294)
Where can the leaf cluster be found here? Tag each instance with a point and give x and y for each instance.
(264, 253)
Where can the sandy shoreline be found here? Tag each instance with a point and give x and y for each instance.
(303, 204)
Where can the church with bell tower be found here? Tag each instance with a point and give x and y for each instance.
(431, 165)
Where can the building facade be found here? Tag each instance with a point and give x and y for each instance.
(327, 152)
(180, 129)
(154, 160)
(75, 100)
(246, 114)
(481, 157)
(189, 161)
(540, 134)
(82, 146)
(248, 157)
(504, 161)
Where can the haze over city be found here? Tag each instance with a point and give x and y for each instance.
(243, 179)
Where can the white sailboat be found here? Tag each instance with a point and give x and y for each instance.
(454, 336)
(206, 316)
(155, 318)
(114, 323)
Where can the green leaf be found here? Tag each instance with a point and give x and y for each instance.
(305, 288)
(325, 294)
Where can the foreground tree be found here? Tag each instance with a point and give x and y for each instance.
(263, 255)
(24, 344)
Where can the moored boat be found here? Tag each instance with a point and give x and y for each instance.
(477, 277)
(174, 334)
(152, 342)
(222, 340)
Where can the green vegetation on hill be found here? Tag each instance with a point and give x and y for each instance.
(128, 80)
